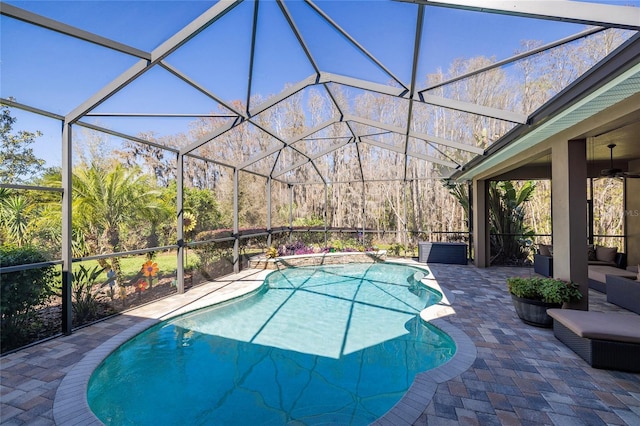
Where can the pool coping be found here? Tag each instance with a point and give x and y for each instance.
(71, 407)
(411, 406)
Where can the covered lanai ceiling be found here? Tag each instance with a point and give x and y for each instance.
(283, 89)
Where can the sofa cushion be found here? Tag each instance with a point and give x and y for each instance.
(545, 249)
(601, 263)
(606, 254)
(591, 252)
(599, 272)
(614, 326)
(624, 292)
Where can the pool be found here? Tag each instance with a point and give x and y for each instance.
(337, 344)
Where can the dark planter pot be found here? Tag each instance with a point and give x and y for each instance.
(534, 312)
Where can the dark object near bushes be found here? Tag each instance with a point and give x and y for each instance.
(21, 292)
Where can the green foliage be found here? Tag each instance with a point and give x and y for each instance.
(210, 253)
(461, 193)
(396, 249)
(109, 202)
(16, 219)
(17, 160)
(511, 239)
(549, 290)
(22, 292)
(308, 221)
(203, 204)
(84, 297)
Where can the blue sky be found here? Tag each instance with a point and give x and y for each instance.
(57, 73)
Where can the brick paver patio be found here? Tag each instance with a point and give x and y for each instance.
(520, 374)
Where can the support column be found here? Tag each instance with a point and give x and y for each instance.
(632, 216)
(569, 215)
(236, 242)
(404, 217)
(290, 212)
(470, 219)
(268, 189)
(326, 212)
(180, 224)
(364, 212)
(67, 227)
(481, 228)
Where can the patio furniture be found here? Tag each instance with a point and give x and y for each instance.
(452, 253)
(610, 262)
(598, 276)
(608, 340)
(624, 292)
(543, 265)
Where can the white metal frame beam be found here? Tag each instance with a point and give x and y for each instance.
(158, 54)
(353, 41)
(514, 58)
(50, 24)
(577, 12)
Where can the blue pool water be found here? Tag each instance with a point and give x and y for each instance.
(324, 345)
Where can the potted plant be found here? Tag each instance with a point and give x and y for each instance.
(532, 296)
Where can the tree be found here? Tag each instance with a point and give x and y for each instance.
(16, 219)
(108, 201)
(17, 160)
(510, 239)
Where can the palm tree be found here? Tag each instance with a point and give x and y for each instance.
(509, 234)
(105, 202)
(510, 239)
(17, 212)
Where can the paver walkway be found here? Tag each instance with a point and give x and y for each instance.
(521, 375)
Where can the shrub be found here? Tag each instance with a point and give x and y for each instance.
(211, 252)
(84, 298)
(549, 290)
(21, 292)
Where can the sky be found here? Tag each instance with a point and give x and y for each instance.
(57, 73)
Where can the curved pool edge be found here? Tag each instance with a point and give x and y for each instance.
(71, 405)
(414, 402)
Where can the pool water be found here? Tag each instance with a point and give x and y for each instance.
(323, 345)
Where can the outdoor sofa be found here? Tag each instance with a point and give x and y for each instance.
(608, 340)
(624, 292)
(602, 261)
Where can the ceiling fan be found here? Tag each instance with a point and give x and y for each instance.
(613, 172)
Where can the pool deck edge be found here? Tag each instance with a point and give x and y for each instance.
(71, 405)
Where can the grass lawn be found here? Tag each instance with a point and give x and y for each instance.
(131, 266)
(167, 263)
